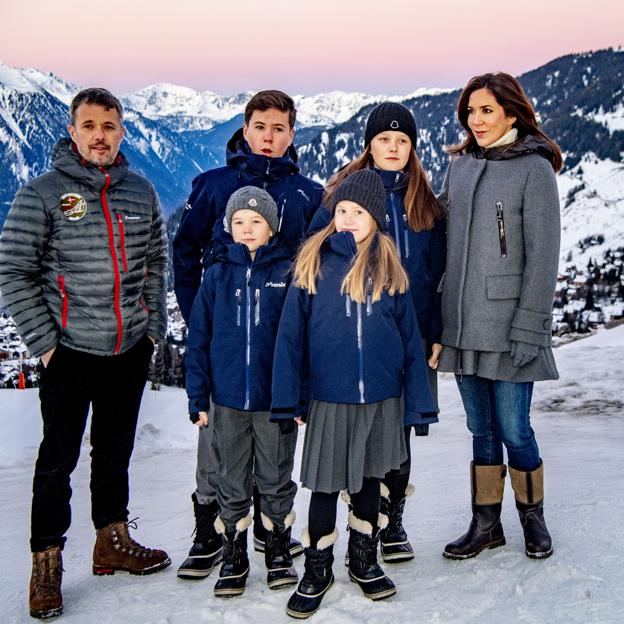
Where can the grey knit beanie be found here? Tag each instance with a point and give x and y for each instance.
(390, 116)
(251, 198)
(364, 187)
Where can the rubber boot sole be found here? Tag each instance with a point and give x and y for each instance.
(100, 570)
(539, 555)
(303, 615)
(197, 573)
(49, 613)
(489, 545)
(379, 595)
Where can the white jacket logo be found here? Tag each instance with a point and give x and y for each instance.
(275, 285)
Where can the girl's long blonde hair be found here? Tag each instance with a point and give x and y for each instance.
(420, 203)
(376, 266)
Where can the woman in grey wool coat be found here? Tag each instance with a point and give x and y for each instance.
(502, 258)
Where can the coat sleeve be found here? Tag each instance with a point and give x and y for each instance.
(420, 408)
(198, 371)
(22, 247)
(437, 260)
(190, 244)
(532, 320)
(288, 357)
(155, 291)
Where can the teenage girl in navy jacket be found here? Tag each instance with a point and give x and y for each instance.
(416, 223)
(349, 312)
(231, 339)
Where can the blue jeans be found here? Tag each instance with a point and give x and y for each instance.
(498, 413)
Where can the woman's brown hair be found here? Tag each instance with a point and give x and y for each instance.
(510, 95)
(376, 266)
(421, 206)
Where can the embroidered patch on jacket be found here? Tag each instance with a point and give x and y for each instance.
(74, 206)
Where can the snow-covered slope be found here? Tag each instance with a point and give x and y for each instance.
(580, 430)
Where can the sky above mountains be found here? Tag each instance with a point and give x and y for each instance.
(301, 46)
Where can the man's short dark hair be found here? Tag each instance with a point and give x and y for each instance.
(98, 96)
(263, 100)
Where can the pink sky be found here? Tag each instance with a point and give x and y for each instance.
(300, 46)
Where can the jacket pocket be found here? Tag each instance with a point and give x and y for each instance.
(503, 286)
(500, 224)
(122, 240)
(64, 300)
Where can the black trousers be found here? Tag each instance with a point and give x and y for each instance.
(72, 382)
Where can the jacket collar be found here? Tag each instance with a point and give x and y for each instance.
(239, 155)
(342, 243)
(65, 158)
(237, 253)
(529, 144)
(393, 181)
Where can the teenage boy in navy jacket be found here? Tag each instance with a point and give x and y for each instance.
(260, 154)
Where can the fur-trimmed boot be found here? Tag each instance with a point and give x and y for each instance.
(363, 567)
(485, 530)
(395, 546)
(278, 560)
(317, 578)
(207, 547)
(259, 532)
(235, 566)
(115, 550)
(529, 490)
(46, 600)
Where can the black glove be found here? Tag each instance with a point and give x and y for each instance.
(522, 353)
(286, 426)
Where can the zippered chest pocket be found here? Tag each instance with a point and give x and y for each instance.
(500, 226)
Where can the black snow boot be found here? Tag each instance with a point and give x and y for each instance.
(485, 530)
(260, 533)
(280, 570)
(235, 566)
(395, 546)
(317, 578)
(207, 547)
(363, 567)
(529, 490)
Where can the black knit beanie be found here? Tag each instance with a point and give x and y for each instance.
(365, 188)
(390, 116)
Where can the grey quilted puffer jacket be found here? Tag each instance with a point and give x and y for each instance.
(83, 257)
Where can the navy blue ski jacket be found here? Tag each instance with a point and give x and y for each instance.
(423, 254)
(357, 352)
(233, 328)
(201, 235)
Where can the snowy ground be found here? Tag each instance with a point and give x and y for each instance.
(580, 429)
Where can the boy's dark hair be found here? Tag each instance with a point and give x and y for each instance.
(98, 96)
(263, 100)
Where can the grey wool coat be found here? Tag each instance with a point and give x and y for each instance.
(83, 258)
(503, 235)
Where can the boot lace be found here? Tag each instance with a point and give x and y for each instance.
(124, 542)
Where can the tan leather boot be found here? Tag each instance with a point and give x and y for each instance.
(116, 550)
(46, 599)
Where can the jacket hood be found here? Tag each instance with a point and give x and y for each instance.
(66, 159)
(530, 144)
(238, 154)
(237, 253)
(393, 181)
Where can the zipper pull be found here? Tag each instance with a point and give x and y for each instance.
(348, 305)
(397, 177)
(248, 275)
(404, 221)
(369, 297)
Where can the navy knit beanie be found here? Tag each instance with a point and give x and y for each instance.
(365, 188)
(390, 116)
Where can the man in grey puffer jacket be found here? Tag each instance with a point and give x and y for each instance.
(83, 261)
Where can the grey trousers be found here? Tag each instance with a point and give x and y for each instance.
(251, 449)
(207, 462)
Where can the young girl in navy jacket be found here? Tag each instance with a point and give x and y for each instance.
(415, 221)
(232, 334)
(349, 336)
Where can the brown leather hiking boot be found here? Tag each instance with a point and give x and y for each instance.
(46, 600)
(115, 550)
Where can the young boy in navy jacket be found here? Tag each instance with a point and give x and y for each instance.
(261, 154)
(231, 340)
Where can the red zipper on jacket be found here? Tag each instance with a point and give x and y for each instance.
(61, 283)
(111, 244)
(122, 241)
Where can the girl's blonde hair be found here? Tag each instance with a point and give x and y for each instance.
(376, 266)
(421, 205)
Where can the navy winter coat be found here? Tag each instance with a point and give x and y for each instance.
(357, 352)
(233, 328)
(201, 237)
(423, 254)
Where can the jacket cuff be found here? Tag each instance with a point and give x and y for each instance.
(282, 413)
(198, 405)
(418, 418)
(532, 327)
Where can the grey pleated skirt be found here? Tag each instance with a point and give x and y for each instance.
(497, 366)
(346, 442)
